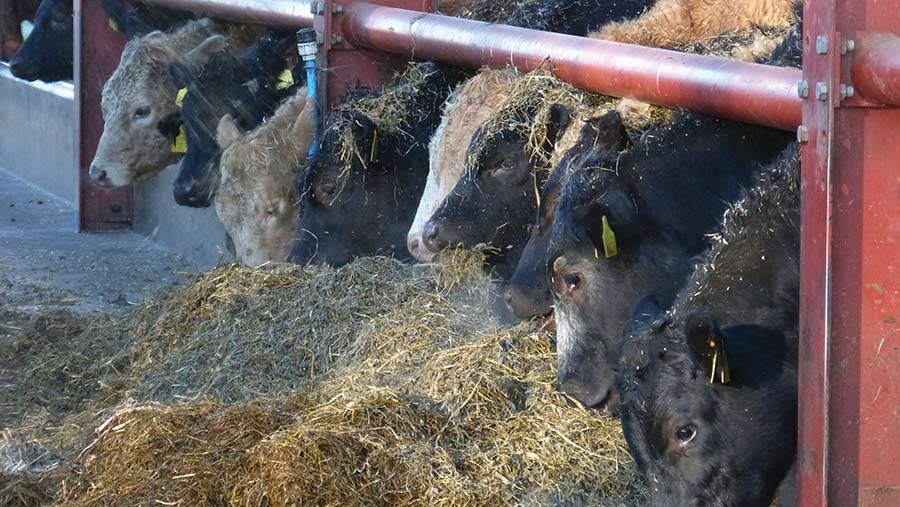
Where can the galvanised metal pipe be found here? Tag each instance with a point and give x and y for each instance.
(876, 69)
(275, 13)
(752, 93)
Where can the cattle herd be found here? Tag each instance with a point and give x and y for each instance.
(664, 244)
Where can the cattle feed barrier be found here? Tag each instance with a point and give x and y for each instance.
(843, 105)
(742, 91)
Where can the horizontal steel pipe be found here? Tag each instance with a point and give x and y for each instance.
(758, 94)
(275, 13)
(876, 69)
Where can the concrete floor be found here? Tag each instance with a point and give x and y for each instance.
(46, 264)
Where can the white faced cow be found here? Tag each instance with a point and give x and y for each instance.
(139, 111)
(471, 104)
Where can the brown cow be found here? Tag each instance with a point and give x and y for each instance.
(673, 22)
(257, 200)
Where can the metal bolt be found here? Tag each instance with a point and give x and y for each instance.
(851, 44)
(803, 89)
(336, 39)
(802, 134)
(337, 9)
(822, 45)
(851, 91)
(821, 91)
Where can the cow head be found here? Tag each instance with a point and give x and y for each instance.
(528, 293)
(603, 254)
(257, 200)
(47, 53)
(220, 84)
(353, 200)
(470, 105)
(702, 442)
(140, 116)
(496, 197)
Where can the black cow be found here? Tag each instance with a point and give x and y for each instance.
(658, 201)
(247, 88)
(709, 392)
(574, 17)
(360, 191)
(528, 292)
(12, 14)
(630, 226)
(47, 53)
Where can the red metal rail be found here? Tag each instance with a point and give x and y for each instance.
(276, 13)
(717, 86)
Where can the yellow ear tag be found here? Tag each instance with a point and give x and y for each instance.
(374, 145)
(180, 97)
(285, 80)
(113, 25)
(180, 145)
(609, 240)
(718, 366)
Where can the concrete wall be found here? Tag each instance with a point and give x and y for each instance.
(36, 134)
(195, 233)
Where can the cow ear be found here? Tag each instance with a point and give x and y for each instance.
(304, 128)
(365, 135)
(645, 313)
(708, 345)
(181, 74)
(187, 67)
(612, 220)
(170, 126)
(558, 119)
(227, 133)
(606, 133)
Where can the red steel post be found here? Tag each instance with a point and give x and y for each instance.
(850, 306)
(97, 50)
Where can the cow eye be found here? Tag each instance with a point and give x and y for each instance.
(686, 433)
(573, 281)
(326, 192)
(501, 170)
(142, 112)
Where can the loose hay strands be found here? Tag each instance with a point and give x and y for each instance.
(527, 106)
(374, 384)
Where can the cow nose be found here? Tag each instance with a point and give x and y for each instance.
(98, 176)
(187, 194)
(412, 244)
(522, 306)
(15, 66)
(589, 396)
(432, 236)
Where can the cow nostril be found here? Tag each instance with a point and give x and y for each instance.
(412, 244)
(432, 236)
(99, 176)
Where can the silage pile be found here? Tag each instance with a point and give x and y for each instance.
(374, 384)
